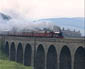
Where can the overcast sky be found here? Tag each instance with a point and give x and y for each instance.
(45, 8)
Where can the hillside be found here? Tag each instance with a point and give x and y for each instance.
(4, 17)
(67, 23)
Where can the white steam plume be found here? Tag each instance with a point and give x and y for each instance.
(20, 22)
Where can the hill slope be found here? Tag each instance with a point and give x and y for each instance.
(67, 23)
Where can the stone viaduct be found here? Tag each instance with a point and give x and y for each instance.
(46, 53)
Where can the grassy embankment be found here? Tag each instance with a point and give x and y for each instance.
(6, 64)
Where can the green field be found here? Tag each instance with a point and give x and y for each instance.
(6, 64)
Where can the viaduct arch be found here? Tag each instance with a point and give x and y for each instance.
(12, 52)
(55, 54)
(28, 55)
(79, 58)
(40, 58)
(6, 49)
(52, 58)
(19, 54)
(65, 58)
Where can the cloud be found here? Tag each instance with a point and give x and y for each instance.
(45, 8)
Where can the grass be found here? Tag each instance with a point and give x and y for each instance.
(6, 64)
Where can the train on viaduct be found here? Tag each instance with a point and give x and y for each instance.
(46, 53)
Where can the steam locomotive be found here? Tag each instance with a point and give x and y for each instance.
(55, 33)
(35, 34)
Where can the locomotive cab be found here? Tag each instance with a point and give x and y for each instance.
(57, 32)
